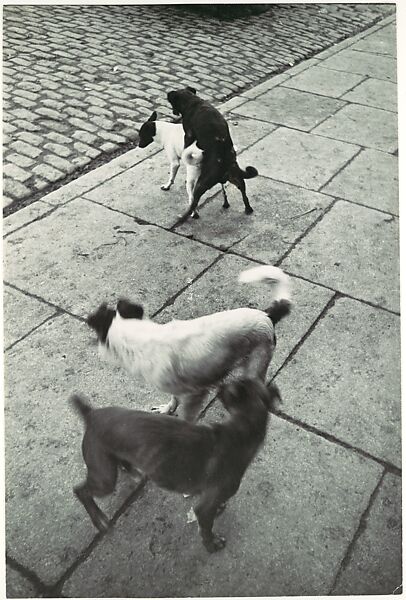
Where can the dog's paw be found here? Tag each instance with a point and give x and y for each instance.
(215, 544)
(249, 211)
(191, 516)
(165, 187)
(195, 215)
(163, 409)
(226, 205)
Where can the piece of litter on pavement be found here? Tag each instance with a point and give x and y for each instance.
(191, 517)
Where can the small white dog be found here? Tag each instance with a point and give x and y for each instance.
(188, 358)
(171, 137)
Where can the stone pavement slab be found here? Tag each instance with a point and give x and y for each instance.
(326, 82)
(380, 42)
(375, 93)
(25, 215)
(282, 213)
(368, 271)
(292, 108)
(374, 567)
(363, 63)
(354, 392)
(294, 157)
(83, 184)
(370, 179)
(362, 125)
(83, 254)
(21, 314)
(18, 586)
(47, 527)
(286, 530)
(219, 289)
(137, 192)
(245, 131)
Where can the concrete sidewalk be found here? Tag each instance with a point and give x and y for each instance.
(319, 511)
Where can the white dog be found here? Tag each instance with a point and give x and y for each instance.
(188, 358)
(171, 137)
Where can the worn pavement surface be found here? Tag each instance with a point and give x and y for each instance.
(77, 79)
(319, 510)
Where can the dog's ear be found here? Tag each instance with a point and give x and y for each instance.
(272, 397)
(128, 310)
(172, 97)
(153, 117)
(191, 89)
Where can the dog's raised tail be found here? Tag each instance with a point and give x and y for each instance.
(192, 155)
(249, 172)
(82, 405)
(281, 304)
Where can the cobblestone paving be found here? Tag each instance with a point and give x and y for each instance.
(78, 79)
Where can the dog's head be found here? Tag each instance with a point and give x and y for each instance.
(243, 395)
(179, 99)
(147, 132)
(102, 318)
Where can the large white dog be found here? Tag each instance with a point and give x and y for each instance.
(188, 358)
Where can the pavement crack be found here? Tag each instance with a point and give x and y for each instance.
(305, 232)
(310, 330)
(360, 529)
(190, 282)
(28, 574)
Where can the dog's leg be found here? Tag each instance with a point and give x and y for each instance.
(191, 179)
(99, 519)
(203, 184)
(191, 405)
(225, 203)
(258, 361)
(237, 179)
(172, 175)
(167, 409)
(207, 509)
(101, 479)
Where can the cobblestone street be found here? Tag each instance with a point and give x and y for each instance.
(78, 79)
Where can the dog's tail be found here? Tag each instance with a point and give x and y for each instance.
(82, 405)
(249, 172)
(282, 303)
(192, 155)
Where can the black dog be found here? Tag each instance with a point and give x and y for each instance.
(206, 460)
(205, 125)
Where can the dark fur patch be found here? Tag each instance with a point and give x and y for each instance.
(278, 310)
(101, 320)
(147, 134)
(129, 310)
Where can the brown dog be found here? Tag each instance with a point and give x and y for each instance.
(206, 126)
(204, 460)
